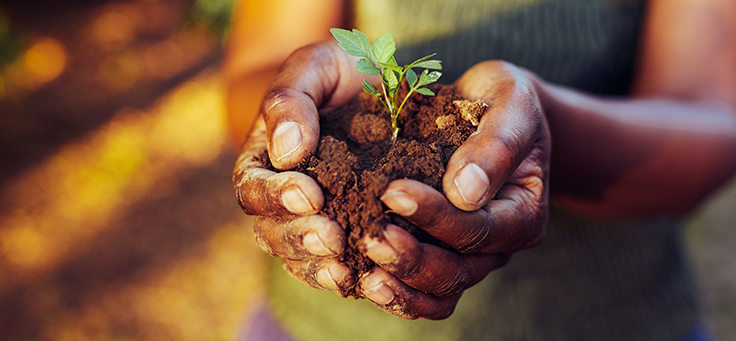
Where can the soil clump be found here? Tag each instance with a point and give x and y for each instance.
(356, 161)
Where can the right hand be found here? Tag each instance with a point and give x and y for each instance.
(314, 78)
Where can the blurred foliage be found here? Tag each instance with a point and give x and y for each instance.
(215, 14)
(11, 45)
(10, 42)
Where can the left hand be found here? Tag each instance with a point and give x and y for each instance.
(495, 202)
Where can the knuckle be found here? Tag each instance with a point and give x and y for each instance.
(260, 230)
(303, 271)
(255, 192)
(292, 242)
(279, 238)
(408, 264)
(454, 285)
(536, 227)
(276, 97)
(240, 195)
(510, 140)
(474, 240)
(250, 198)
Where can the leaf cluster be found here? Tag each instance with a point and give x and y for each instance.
(378, 59)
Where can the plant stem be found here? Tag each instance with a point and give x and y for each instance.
(390, 105)
(388, 100)
(404, 102)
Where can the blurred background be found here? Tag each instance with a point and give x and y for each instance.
(117, 215)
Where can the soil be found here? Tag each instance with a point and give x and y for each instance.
(355, 162)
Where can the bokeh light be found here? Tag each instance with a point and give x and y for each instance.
(119, 72)
(46, 59)
(127, 227)
(70, 197)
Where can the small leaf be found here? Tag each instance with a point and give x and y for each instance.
(435, 75)
(351, 43)
(425, 91)
(384, 48)
(422, 59)
(411, 77)
(392, 67)
(392, 80)
(428, 77)
(364, 66)
(369, 88)
(430, 64)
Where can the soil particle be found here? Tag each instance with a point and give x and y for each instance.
(471, 111)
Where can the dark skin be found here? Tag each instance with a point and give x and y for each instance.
(659, 151)
(484, 238)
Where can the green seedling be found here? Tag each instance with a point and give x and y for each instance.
(378, 59)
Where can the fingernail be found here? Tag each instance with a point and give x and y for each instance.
(472, 183)
(378, 293)
(287, 138)
(330, 275)
(315, 245)
(380, 252)
(400, 202)
(295, 201)
(325, 279)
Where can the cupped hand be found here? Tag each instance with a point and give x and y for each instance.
(494, 204)
(314, 78)
(495, 187)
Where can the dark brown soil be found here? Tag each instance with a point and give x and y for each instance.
(356, 161)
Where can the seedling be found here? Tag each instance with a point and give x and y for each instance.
(378, 59)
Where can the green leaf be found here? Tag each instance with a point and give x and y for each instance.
(425, 91)
(430, 64)
(384, 48)
(428, 77)
(363, 42)
(411, 77)
(354, 43)
(392, 67)
(422, 59)
(391, 79)
(369, 88)
(365, 66)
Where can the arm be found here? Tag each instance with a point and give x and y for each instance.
(659, 151)
(496, 185)
(670, 145)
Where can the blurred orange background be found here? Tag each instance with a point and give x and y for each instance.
(117, 215)
(118, 219)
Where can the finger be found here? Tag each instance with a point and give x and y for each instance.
(293, 114)
(302, 238)
(390, 294)
(266, 193)
(312, 78)
(323, 273)
(426, 267)
(507, 131)
(514, 221)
